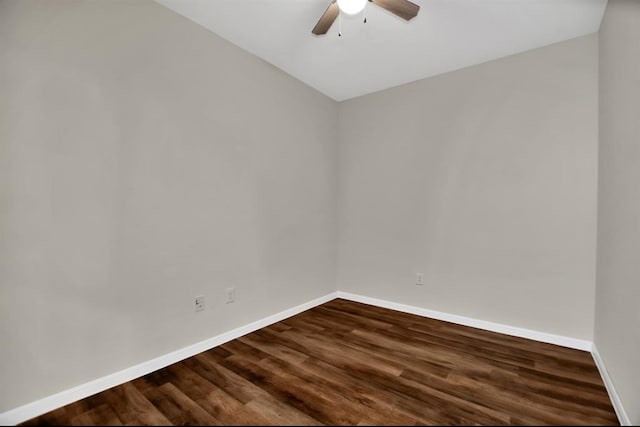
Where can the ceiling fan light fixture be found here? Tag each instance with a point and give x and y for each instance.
(351, 7)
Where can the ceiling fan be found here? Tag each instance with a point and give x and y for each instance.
(402, 8)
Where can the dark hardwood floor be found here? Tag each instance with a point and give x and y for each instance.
(345, 363)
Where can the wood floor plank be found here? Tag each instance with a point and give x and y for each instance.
(253, 396)
(341, 355)
(178, 407)
(355, 398)
(348, 363)
(272, 348)
(233, 384)
(297, 394)
(407, 405)
(101, 415)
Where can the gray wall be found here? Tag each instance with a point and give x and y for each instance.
(617, 327)
(144, 161)
(484, 180)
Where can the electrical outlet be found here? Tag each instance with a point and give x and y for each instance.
(419, 279)
(199, 303)
(231, 295)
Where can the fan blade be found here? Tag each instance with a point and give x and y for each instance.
(402, 8)
(327, 18)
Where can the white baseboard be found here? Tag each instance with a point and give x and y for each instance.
(613, 394)
(65, 397)
(509, 330)
(49, 403)
(475, 323)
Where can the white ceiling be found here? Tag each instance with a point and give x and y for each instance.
(388, 51)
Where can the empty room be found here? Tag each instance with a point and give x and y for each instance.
(319, 212)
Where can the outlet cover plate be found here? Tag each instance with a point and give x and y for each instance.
(199, 306)
(231, 295)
